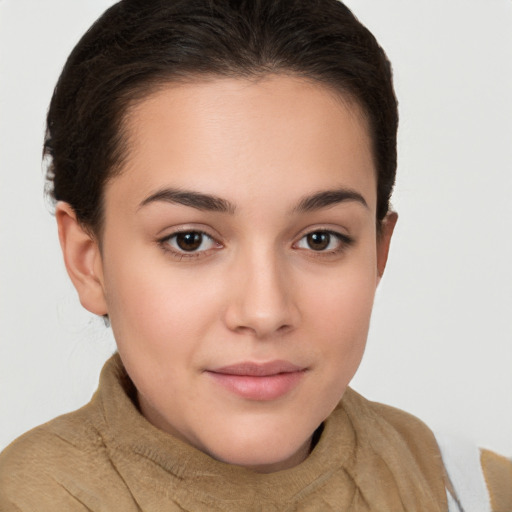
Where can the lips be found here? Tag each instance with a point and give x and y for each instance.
(260, 382)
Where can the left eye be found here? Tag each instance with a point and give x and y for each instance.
(190, 241)
(321, 241)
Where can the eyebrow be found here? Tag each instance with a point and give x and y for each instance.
(327, 198)
(207, 202)
(196, 200)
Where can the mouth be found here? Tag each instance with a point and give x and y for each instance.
(259, 381)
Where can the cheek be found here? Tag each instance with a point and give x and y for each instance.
(338, 321)
(153, 305)
(340, 312)
(346, 296)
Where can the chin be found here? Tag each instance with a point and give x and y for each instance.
(263, 453)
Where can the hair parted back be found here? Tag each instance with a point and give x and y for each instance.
(138, 45)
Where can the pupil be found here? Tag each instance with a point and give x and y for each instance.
(319, 241)
(189, 241)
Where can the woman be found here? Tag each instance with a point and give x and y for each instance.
(222, 176)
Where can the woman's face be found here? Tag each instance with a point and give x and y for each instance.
(239, 262)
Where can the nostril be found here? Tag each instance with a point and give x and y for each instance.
(284, 328)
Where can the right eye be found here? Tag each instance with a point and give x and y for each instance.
(191, 242)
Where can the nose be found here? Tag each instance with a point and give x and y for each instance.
(262, 299)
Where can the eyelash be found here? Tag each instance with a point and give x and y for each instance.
(343, 242)
(181, 254)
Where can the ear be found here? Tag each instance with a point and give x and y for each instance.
(82, 258)
(384, 241)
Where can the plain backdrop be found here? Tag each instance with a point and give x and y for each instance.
(440, 344)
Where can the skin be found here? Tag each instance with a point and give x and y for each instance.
(255, 290)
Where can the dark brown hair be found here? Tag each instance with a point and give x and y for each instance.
(137, 45)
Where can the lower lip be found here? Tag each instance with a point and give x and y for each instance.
(263, 388)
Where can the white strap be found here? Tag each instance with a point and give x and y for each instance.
(462, 462)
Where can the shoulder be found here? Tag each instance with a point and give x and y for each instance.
(37, 464)
(60, 465)
(480, 478)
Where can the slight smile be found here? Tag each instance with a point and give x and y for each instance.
(259, 381)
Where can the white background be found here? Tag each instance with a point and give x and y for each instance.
(441, 339)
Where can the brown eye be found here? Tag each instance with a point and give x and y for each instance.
(324, 241)
(318, 241)
(191, 244)
(189, 241)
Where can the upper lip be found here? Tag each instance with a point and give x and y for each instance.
(253, 369)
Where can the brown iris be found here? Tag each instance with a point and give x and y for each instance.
(189, 241)
(319, 240)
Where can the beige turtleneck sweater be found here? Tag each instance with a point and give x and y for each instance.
(107, 457)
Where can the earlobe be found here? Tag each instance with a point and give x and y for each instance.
(82, 258)
(383, 242)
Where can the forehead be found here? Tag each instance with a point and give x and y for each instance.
(237, 137)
